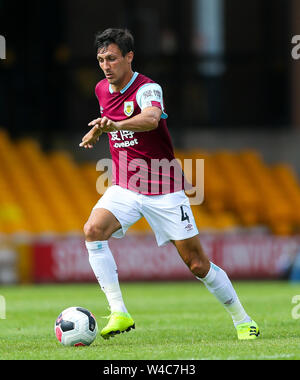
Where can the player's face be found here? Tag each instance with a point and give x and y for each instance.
(116, 68)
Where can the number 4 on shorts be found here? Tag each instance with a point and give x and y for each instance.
(184, 215)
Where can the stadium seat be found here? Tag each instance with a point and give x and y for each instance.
(92, 178)
(50, 192)
(241, 197)
(141, 226)
(287, 181)
(37, 215)
(49, 187)
(275, 210)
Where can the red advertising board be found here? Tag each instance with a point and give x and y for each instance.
(255, 257)
(139, 259)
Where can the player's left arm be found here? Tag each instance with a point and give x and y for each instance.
(147, 120)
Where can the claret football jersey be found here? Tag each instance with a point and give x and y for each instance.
(142, 161)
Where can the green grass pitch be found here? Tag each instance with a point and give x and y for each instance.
(173, 321)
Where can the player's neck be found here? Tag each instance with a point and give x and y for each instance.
(118, 87)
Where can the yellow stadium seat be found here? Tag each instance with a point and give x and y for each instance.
(141, 226)
(42, 193)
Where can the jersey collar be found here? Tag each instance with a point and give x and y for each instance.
(133, 78)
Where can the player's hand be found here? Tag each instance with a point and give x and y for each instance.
(95, 122)
(105, 124)
(90, 139)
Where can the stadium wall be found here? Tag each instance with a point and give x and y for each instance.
(65, 259)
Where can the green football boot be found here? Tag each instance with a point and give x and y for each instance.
(118, 323)
(249, 330)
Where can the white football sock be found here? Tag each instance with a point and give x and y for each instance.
(218, 283)
(105, 269)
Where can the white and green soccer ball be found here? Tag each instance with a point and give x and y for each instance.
(76, 326)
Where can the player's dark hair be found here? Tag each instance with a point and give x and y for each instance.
(121, 37)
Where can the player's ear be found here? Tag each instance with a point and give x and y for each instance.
(129, 56)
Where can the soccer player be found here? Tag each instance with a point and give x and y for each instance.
(133, 116)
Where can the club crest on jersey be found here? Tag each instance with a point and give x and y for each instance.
(128, 108)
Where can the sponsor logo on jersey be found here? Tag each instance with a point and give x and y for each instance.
(128, 108)
(123, 136)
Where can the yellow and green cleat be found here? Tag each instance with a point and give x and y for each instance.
(118, 323)
(249, 330)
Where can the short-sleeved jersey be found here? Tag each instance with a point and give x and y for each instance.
(142, 161)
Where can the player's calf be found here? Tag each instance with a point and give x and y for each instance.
(193, 255)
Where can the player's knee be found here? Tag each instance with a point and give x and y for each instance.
(93, 232)
(198, 267)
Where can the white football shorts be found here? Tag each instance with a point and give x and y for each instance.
(169, 215)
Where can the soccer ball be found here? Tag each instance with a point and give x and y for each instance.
(76, 326)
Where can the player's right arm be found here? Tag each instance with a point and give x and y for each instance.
(90, 139)
(150, 100)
